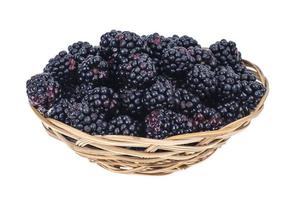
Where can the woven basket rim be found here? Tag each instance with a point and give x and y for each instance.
(229, 129)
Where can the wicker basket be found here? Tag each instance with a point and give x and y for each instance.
(126, 154)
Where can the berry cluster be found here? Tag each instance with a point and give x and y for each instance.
(148, 86)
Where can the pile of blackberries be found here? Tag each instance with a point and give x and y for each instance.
(148, 86)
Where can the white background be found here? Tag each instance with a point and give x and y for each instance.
(261, 162)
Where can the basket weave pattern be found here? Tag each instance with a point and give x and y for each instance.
(126, 154)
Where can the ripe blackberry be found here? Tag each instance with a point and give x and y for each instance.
(62, 67)
(231, 111)
(185, 101)
(117, 44)
(124, 125)
(201, 81)
(244, 73)
(203, 56)
(184, 41)
(177, 61)
(245, 102)
(160, 94)
(228, 82)
(132, 101)
(251, 94)
(226, 52)
(69, 90)
(82, 90)
(138, 72)
(103, 99)
(163, 123)
(76, 91)
(206, 118)
(85, 118)
(94, 70)
(81, 50)
(42, 91)
(157, 44)
(60, 109)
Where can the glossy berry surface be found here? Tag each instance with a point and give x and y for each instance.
(42, 91)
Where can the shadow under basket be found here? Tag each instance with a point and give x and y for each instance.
(135, 155)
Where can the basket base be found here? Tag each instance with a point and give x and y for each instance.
(155, 167)
(156, 170)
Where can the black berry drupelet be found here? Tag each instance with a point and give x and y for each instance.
(226, 52)
(117, 44)
(103, 99)
(228, 82)
(231, 111)
(59, 110)
(124, 125)
(81, 90)
(161, 94)
(81, 50)
(94, 69)
(201, 81)
(244, 73)
(177, 61)
(87, 119)
(183, 41)
(163, 123)
(206, 118)
(185, 101)
(42, 91)
(203, 56)
(137, 71)
(251, 94)
(157, 44)
(62, 67)
(131, 101)
(242, 104)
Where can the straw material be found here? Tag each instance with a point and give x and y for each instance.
(135, 155)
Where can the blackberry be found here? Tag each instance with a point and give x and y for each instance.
(139, 71)
(226, 52)
(103, 99)
(42, 91)
(132, 101)
(117, 44)
(201, 81)
(81, 50)
(244, 73)
(81, 116)
(124, 125)
(206, 118)
(160, 94)
(185, 101)
(177, 61)
(231, 111)
(82, 90)
(76, 91)
(62, 67)
(244, 103)
(94, 70)
(59, 110)
(228, 82)
(203, 56)
(69, 90)
(157, 44)
(163, 123)
(184, 41)
(251, 94)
